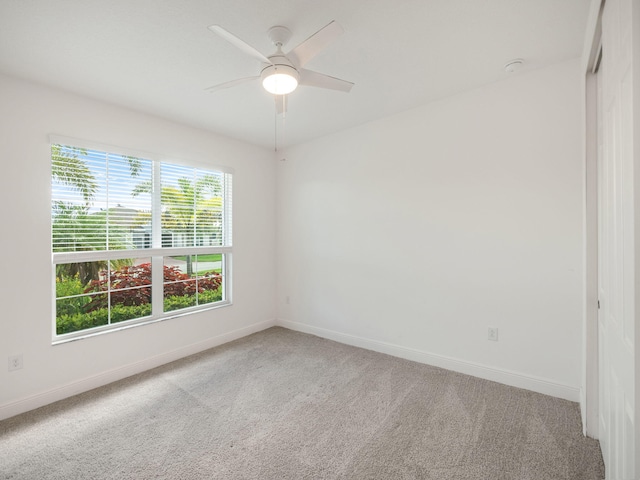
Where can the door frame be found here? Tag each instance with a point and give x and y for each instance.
(590, 376)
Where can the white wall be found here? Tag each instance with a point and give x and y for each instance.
(413, 234)
(408, 235)
(29, 113)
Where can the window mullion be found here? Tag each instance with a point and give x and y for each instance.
(157, 261)
(106, 212)
(156, 211)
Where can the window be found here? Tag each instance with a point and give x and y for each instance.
(135, 239)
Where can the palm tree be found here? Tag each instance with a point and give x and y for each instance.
(192, 207)
(68, 169)
(74, 228)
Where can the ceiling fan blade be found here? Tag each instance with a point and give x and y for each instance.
(239, 43)
(232, 83)
(281, 104)
(315, 79)
(315, 44)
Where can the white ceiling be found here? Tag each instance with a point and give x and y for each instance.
(158, 56)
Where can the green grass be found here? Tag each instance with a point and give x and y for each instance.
(210, 257)
(202, 273)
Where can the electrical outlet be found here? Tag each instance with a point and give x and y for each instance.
(15, 362)
(493, 334)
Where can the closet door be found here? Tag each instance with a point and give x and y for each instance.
(616, 280)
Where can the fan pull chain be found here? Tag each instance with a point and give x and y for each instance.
(275, 130)
(282, 131)
(284, 120)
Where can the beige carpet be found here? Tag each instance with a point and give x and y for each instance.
(285, 405)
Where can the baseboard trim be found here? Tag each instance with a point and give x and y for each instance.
(506, 377)
(41, 399)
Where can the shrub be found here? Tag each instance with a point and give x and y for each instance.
(130, 296)
(69, 288)
(131, 285)
(96, 318)
(71, 306)
(80, 321)
(210, 296)
(183, 284)
(176, 302)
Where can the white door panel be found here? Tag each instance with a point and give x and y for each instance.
(616, 255)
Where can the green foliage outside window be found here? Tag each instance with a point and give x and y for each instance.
(128, 293)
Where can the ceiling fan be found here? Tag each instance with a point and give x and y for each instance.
(281, 73)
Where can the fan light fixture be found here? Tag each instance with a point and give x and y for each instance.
(280, 79)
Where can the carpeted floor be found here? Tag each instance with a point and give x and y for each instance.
(284, 405)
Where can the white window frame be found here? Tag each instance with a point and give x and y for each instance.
(156, 253)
